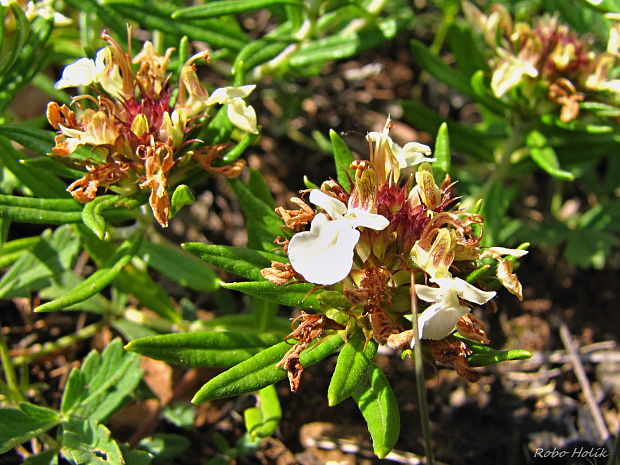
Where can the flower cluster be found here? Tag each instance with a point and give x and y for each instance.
(367, 243)
(547, 61)
(137, 128)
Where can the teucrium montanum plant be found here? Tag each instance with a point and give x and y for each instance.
(348, 255)
(137, 127)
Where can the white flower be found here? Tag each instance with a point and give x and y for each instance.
(510, 72)
(324, 255)
(86, 71)
(413, 153)
(240, 114)
(439, 320)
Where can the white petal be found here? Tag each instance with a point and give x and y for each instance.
(360, 217)
(324, 255)
(465, 290)
(80, 73)
(334, 207)
(438, 321)
(413, 153)
(497, 252)
(428, 294)
(243, 116)
(226, 95)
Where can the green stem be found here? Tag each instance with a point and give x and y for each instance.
(419, 378)
(61, 343)
(9, 372)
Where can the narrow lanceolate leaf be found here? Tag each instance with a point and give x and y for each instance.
(441, 167)
(484, 355)
(229, 7)
(260, 370)
(22, 31)
(352, 363)
(376, 401)
(544, 156)
(19, 425)
(92, 215)
(181, 267)
(42, 184)
(262, 421)
(37, 140)
(304, 295)
(213, 349)
(244, 262)
(263, 225)
(343, 159)
(99, 279)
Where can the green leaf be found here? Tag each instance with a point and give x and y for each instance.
(258, 186)
(11, 251)
(165, 446)
(102, 384)
(254, 54)
(104, 13)
(229, 7)
(54, 211)
(244, 262)
(246, 323)
(212, 349)
(544, 156)
(260, 370)
(462, 138)
(99, 279)
(343, 159)
(484, 355)
(156, 15)
(85, 441)
(262, 223)
(37, 140)
(35, 269)
(439, 69)
(19, 425)
(180, 266)
(48, 457)
(42, 184)
(92, 215)
(64, 283)
(262, 421)
(353, 361)
(303, 295)
(22, 31)
(376, 401)
(181, 196)
(441, 167)
(346, 44)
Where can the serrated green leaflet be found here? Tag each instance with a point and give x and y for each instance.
(376, 401)
(36, 268)
(214, 349)
(260, 370)
(179, 266)
(343, 159)
(262, 421)
(19, 425)
(303, 295)
(353, 361)
(102, 384)
(244, 262)
(228, 7)
(88, 442)
(99, 279)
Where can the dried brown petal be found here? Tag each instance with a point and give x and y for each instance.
(382, 325)
(280, 273)
(452, 352)
(509, 279)
(85, 189)
(400, 340)
(472, 328)
(158, 162)
(299, 218)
